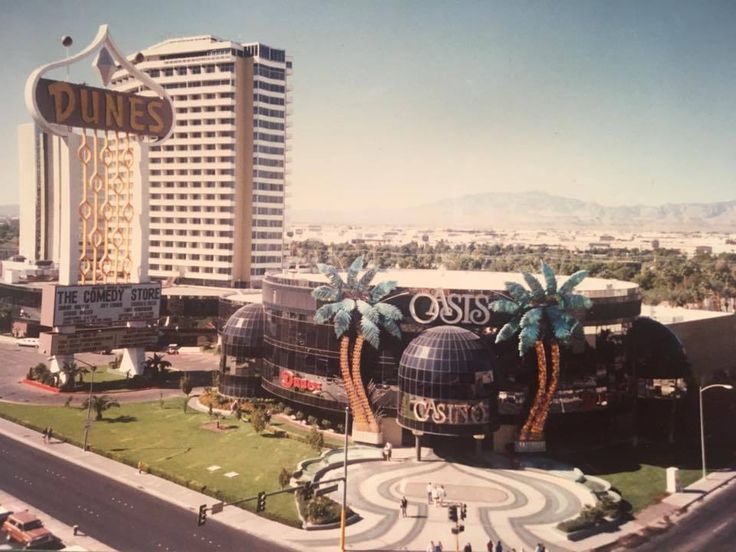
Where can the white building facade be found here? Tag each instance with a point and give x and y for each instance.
(217, 187)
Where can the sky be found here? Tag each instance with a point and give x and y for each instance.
(397, 103)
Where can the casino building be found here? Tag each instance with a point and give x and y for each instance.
(446, 377)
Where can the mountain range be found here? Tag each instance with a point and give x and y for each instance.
(536, 210)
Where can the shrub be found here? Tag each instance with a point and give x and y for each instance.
(288, 410)
(299, 415)
(311, 420)
(340, 428)
(326, 424)
(315, 439)
(322, 509)
(284, 478)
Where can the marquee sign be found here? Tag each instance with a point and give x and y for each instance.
(100, 305)
(81, 106)
(445, 412)
(290, 380)
(95, 340)
(427, 307)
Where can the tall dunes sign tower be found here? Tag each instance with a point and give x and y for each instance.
(104, 298)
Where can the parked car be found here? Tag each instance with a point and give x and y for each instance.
(28, 530)
(28, 342)
(173, 349)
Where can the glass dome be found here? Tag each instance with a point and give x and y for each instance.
(242, 334)
(446, 382)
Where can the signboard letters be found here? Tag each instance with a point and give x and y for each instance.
(84, 341)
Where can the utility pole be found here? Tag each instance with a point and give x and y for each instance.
(88, 423)
(344, 511)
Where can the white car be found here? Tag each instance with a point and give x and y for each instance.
(28, 342)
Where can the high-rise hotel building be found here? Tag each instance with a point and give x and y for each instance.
(216, 187)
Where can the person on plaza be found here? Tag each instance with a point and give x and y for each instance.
(435, 496)
(387, 452)
(499, 547)
(429, 492)
(51, 433)
(443, 495)
(403, 506)
(430, 546)
(439, 547)
(467, 547)
(489, 546)
(45, 434)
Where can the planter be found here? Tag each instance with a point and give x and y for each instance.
(34, 383)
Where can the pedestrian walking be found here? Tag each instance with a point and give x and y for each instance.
(499, 547)
(489, 546)
(45, 434)
(439, 547)
(467, 547)
(436, 496)
(387, 452)
(51, 433)
(429, 492)
(404, 503)
(443, 495)
(430, 546)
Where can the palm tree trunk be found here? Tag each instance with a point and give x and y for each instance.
(347, 380)
(541, 385)
(541, 419)
(359, 388)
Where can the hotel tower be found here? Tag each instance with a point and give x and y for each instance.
(217, 193)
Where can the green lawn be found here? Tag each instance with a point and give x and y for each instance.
(179, 447)
(638, 473)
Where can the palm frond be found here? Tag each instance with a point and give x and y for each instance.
(348, 305)
(326, 312)
(367, 278)
(332, 274)
(575, 302)
(534, 286)
(367, 311)
(391, 326)
(528, 338)
(518, 292)
(508, 331)
(382, 289)
(390, 312)
(370, 331)
(550, 279)
(355, 268)
(504, 306)
(573, 281)
(532, 317)
(343, 318)
(326, 293)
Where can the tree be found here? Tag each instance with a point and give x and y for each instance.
(72, 370)
(542, 315)
(156, 366)
(186, 386)
(284, 478)
(356, 307)
(258, 420)
(100, 404)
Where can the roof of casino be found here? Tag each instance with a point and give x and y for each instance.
(476, 280)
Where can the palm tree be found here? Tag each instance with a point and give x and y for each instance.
(100, 404)
(156, 365)
(72, 370)
(353, 305)
(542, 315)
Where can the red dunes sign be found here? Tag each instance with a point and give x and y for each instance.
(289, 380)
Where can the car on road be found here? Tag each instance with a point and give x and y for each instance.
(5, 511)
(26, 529)
(172, 349)
(28, 342)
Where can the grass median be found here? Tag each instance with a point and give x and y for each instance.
(181, 446)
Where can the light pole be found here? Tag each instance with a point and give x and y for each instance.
(89, 403)
(344, 511)
(702, 431)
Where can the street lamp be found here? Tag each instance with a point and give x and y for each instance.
(702, 432)
(344, 510)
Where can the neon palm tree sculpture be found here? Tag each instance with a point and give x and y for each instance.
(542, 315)
(356, 307)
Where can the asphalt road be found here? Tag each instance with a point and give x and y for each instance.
(115, 514)
(711, 526)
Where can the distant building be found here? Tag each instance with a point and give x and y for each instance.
(703, 250)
